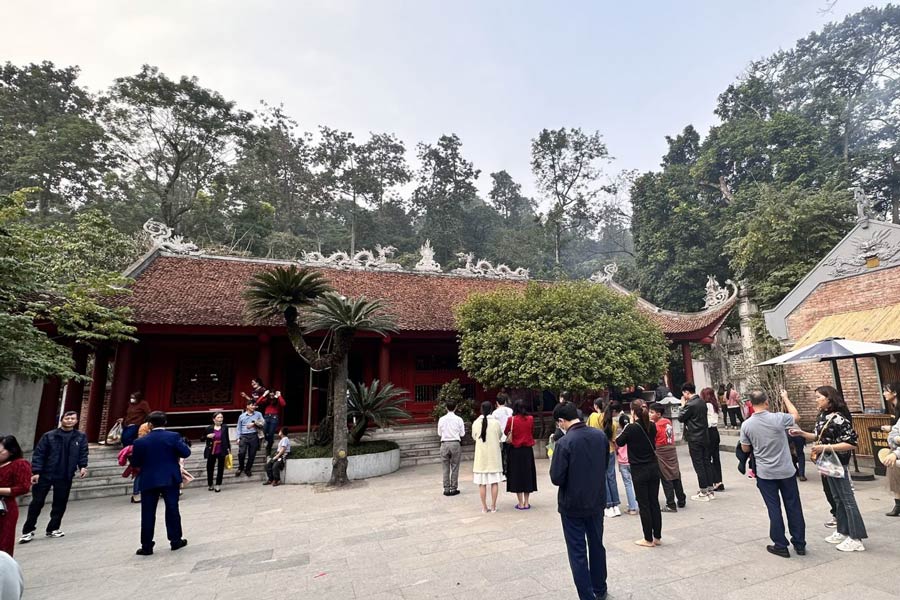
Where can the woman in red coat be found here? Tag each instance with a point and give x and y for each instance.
(521, 477)
(15, 480)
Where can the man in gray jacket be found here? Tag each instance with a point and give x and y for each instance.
(696, 434)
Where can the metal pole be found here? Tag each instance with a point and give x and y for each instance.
(309, 408)
(862, 403)
(836, 375)
(880, 384)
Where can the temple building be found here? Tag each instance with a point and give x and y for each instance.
(197, 350)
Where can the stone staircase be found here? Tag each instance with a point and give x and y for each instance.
(105, 479)
(419, 444)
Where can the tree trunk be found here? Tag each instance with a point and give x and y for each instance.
(339, 403)
(353, 226)
(558, 240)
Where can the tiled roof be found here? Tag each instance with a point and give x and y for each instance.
(206, 291)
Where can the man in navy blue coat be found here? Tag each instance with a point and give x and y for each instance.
(158, 455)
(579, 470)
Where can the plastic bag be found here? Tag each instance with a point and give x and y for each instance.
(829, 464)
(115, 434)
(229, 462)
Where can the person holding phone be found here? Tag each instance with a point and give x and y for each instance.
(271, 405)
(834, 433)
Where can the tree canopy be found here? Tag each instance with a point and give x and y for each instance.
(566, 336)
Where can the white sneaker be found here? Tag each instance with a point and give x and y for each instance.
(711, 495)
(616, 511)
(608, 513)
(851, 545)
(835, 538)
(55, 534)
(832, 523)
(26, 537)
(701, 497)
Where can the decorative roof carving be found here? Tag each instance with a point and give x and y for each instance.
(606, 275)
(875, 246)
(483, 268)
(364, 259)
(716, 295)
(162, 237)
(427, 264)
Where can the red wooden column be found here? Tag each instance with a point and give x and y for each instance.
(97, 394)
(74, 387)
(46, 419)
(121, 385)
(264, 359)
(384, 360)
(688, 364)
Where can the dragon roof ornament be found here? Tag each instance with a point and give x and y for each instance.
(716, 295)
(162, 237)
(606, 275)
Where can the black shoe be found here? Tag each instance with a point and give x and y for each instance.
(895, 512)
(801, 551)
(238, 474)
(802, 478)
(144, 551)
(248, 473)
(179, 544)
(453, 493)
(669, 508)
(719, 488)
(600, 597)
(682, 504)
(782, 552)
(446, 492)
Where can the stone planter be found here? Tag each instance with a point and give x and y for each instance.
(318, 470)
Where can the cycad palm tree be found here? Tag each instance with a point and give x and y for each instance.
(377, 402)
(303, 298)
(343, 317)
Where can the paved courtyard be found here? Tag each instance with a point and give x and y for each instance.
(398, 537)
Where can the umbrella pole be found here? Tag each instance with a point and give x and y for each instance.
(835, 374)
(857, 475)
(862, 403)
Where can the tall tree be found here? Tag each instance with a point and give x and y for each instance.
(566, 165)
(506, 196)
(49, 138)
(446, 189)
(173, 138)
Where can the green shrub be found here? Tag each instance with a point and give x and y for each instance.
(362, 448)
(452, 390)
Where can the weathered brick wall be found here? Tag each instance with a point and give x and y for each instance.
(862, 292)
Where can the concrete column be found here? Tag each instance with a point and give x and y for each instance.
(97, 394)
(747, 309)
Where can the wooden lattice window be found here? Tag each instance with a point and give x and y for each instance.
(429, 393)
(203, 381)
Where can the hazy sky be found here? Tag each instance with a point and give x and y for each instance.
(493, 72)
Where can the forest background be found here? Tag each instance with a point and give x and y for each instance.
(761, 198)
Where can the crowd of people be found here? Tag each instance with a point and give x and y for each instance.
(639, 439)
(634, 437)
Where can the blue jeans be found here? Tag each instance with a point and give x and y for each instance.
(790, 493)
(269, 430)
(587, 561)
(612, 490)
(846, 511)
(625, 471)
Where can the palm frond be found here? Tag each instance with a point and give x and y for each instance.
(376, 402)
(335, 313)
(273, 293)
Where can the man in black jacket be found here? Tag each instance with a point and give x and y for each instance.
(579, 470)
(58, 455)
(696, 434)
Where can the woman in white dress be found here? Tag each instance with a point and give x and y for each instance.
(488, 467)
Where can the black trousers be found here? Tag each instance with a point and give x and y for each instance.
(714, 458)
(587, 556)
(274, 469)
(828, 496)
(673, 489)
(217, 462)
(248, 446)
(734, 413)
(61, 489)
(699, 452)
(646, 490)
(149, 502)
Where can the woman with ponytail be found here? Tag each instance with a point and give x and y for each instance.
(639, 436)
(488, 466)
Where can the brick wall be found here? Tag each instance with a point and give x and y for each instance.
(861, 292)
